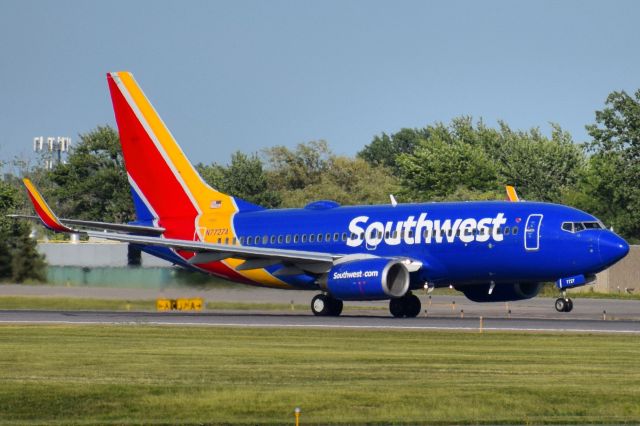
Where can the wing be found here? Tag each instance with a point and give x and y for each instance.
(294, 261)
(198, 252)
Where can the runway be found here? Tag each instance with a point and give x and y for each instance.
(312, 322)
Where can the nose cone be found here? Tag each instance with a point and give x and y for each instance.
(612, 248)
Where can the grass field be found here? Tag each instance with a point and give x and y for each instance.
(206, 375)
(82, 304)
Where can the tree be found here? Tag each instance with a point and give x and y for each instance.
(93, 184)
(243, 178)
(385, 149)
(19, 259)
(541, 168)
(348, 181)
(437, 169)
(312, 172)
(614, 166)
(464, 159)
(299, 168)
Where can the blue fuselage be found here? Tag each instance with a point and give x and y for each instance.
(456, 242)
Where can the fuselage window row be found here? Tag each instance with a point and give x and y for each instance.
(427, 235)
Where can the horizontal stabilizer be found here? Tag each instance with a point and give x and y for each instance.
(132, 229)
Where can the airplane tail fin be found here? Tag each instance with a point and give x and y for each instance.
(166, 188)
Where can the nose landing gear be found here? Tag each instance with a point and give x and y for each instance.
(564, 304)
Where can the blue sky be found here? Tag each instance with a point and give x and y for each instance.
(245, 75)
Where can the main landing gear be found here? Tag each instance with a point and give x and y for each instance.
(324, 305)
(564, 304)
(406, 306)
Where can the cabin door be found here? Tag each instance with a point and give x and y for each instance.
(532, 232)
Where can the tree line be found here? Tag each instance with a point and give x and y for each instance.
(461, 160)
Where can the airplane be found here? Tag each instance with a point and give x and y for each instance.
(491, 251)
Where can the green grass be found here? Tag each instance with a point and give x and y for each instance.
(207, 375)
(74, 304)
(81, 304)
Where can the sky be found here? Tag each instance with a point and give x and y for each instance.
(248, 75)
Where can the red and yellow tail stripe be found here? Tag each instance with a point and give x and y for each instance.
(186, 206)
(46, 215)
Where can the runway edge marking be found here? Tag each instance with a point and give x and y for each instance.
(359, 327)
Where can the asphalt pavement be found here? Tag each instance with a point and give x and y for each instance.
(438, 311)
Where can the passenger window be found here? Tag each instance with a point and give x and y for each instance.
(257, 240)
(288, 239)
(249, 241)
(327, 237)
(336, 236)
(411, 233)
(319, 238)
(226, 240)
(514, 230)
(219, 240)
(241, 239)
(344, 236)
(295, 239)
(507, 230)
(312, 238)
(304, 238)
(265, 239)
(280, 239)
(273, 239)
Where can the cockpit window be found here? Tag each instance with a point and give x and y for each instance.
(592, 225)
(581, 226)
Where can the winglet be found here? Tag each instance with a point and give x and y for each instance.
(512, 195)
(46, 215)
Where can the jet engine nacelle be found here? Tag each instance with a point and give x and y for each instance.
(501, 292)
(367, 279)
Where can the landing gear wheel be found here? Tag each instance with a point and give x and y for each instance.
(323, 305)
(320, 305)
(396, 307)
(336, 307)
(564, 304)
(406, 306)
(569, 306)
(412, 306)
